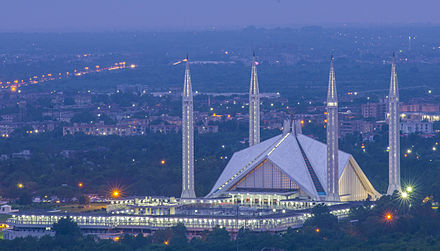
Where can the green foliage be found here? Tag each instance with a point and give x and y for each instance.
(83, 117)
(100, 162)
(322, 218)
(65, 228)
(25, 198)
(84, 199)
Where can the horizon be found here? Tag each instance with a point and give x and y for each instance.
(226, 28)
(116, 15)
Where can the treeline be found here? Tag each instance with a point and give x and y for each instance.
(57, 163)
(134, 163)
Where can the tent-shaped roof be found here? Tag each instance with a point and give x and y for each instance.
(290, 153)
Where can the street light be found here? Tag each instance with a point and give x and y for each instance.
(409, 189)
(388, 217)
(404, 195)
(116, 193)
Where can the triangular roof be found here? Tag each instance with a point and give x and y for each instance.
(317, 153)
(243, 161)
(285, 153)
(289, 159)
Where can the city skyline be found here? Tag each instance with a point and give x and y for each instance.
(103, 146)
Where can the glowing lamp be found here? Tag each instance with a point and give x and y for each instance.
(115, 193)
(409, 189)
(388, 216)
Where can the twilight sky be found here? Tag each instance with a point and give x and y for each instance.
(96, 15)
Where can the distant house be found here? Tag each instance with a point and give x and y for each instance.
(9, 117)
(422, 127)
(100, 129)
(7, 209)
(4, 157)
(207, 129)
(7, 128)
(83, 99)
(374, 110)
(420, 108)
(165, 129)
(25, 154)
(63, 116)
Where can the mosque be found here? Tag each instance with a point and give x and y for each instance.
(269, 186)
(290, 165)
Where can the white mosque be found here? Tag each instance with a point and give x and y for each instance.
(292, 165)
(269, 186)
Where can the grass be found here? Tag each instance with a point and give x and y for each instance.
(4, 217)
(77, 208)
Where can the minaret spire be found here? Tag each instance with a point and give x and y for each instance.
(187, 137)
(332, 138)
(254, 106)
(394, 132)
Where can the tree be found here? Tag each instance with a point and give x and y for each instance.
(83, 117)
(322, 218)
(219, 239)
(178, 239)
(84, 199)
(65, 228)
(25, 198)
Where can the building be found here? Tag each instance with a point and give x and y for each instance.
(7, 209)
(293, 165)
(332, 191)
(164, 128)
(25, 154)
(394, 133)
(207, 129)
(428, 108)
(83, 99)
(347, 127)
(374, 110)
(428, 116)
(187, 137)
(269, 186)
(100, 129)
(254, 106)
(420, 127)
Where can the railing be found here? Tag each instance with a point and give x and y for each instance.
(145, 222)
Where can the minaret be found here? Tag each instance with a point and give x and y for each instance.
(332, 138)
(394, 133)
(187, 137)
(254, 106)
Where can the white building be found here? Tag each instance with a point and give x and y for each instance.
(290, 164)
(423, 127)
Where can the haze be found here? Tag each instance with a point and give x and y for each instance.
(96, 15)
